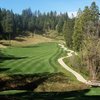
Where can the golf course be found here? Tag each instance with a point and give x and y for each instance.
(49, 50)
(32, 59)
(32, 67)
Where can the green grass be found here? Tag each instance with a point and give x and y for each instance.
(28, 95)
(32, 59)
(94, 91)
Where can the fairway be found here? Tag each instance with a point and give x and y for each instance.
(31, 59)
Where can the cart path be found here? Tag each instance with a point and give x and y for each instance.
(77, 75)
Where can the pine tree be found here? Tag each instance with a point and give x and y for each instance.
(68, 32)
(9, 25)
(1, 28)
(89, 15)
(77, 35)
(94, 12)
(59, 26)
(26, 16)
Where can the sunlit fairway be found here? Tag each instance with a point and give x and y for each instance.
(31, 59)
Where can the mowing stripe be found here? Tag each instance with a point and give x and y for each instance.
(42, 59)
(24, 64)
(53, 59)
(21, 61)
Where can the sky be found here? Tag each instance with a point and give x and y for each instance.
(70, 6)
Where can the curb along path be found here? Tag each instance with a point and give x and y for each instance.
(77, 75)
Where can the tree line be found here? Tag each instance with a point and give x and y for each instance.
(12, 25)
(86, 39)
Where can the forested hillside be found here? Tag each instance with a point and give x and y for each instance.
(12, 25)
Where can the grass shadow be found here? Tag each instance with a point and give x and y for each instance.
(34, 46)
(72, 95)
(22, 82)
(10, 57)
(3, 69)
(20, 39)
(28, 83)
(4, 57)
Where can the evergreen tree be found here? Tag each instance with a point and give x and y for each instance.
(26, 15)
(94, 12)
(77, 36)
(89, 14)
(18, 24)
(9, 24)
(59, 26)
(68, 30)
(1, 28)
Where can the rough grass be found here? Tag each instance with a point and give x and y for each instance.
(25, 40)
(74, 63)
(94, 92)
(41, 82)
(53, 34)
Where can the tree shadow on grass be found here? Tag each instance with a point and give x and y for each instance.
(72, 95)
(34, 46)
(4, 57)
(10, 57)
(20, 39)
(22, 82)
(30, 82)
(3, 69)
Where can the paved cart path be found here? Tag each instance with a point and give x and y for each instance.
(77, 75)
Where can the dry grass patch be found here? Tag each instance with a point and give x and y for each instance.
(59, 83)
(24, 41)
(55, 82)
(2, 46)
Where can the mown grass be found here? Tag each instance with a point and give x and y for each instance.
(33, 59)
(94, 91)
